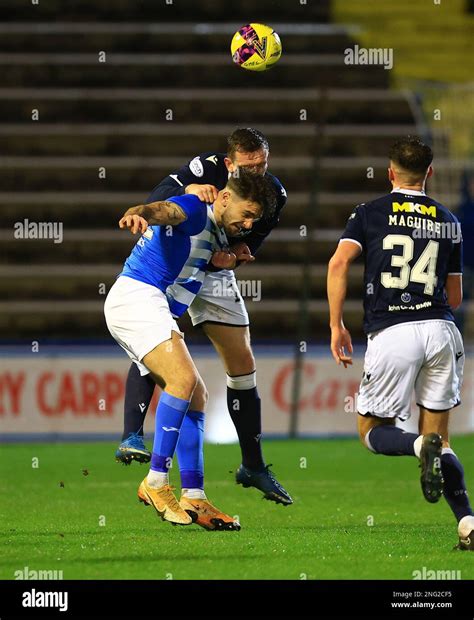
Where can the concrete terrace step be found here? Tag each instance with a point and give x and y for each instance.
(311, 94)
(209, 105)
(143, 173)
(133, 37)
(86, 282)
(86, 271)
(88, 321)
(143, 178)
(94, 249)
(217, 71)
(95, 210)
(126, 11)
(172, 139)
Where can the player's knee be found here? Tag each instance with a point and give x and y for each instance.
(362, 429)
(241, 363)
(248, 360)
(362, 435)
(364, 440)
(200, 396)
(185, 384)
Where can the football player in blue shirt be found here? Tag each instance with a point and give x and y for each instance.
(223, 318)
(174, 251)
(412, 248)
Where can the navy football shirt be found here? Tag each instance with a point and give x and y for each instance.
(410, 244)
(209, 168)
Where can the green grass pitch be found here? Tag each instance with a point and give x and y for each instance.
(355, 516)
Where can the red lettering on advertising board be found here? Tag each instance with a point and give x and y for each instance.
(79, 393)
(285, 377)
(11, 389)
(40, 393)
(114, 390)
(328, 394)
(90, 389)
(67, 395)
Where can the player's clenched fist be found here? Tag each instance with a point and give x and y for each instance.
(224, 260)
(135, 223)
(242, 252)
(229, 259)
(206, 193)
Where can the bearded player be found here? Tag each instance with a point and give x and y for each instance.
(219, 310)
(174, 251)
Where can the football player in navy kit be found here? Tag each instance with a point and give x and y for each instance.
(412, 249)
(223, 317)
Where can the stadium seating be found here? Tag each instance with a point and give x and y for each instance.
(112, 115)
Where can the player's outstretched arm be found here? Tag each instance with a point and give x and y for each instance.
(160, 213)
(338, 268)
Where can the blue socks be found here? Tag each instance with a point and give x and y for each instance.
(169, 418)
(190, 451)
(454, 486)
(391, 441)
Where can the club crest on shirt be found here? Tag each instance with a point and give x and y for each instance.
(196, 167)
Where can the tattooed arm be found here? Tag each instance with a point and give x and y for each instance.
(160, 213)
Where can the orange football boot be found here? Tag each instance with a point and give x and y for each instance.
(208, 516)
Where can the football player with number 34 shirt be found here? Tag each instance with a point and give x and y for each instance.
(412, 248)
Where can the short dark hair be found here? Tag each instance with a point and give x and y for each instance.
(256, 188)
(411, 154)
(246, 139)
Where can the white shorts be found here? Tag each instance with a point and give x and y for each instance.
(139, 318)
(219, 301)
(425, 356)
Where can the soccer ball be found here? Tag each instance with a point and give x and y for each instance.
(255, 47)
